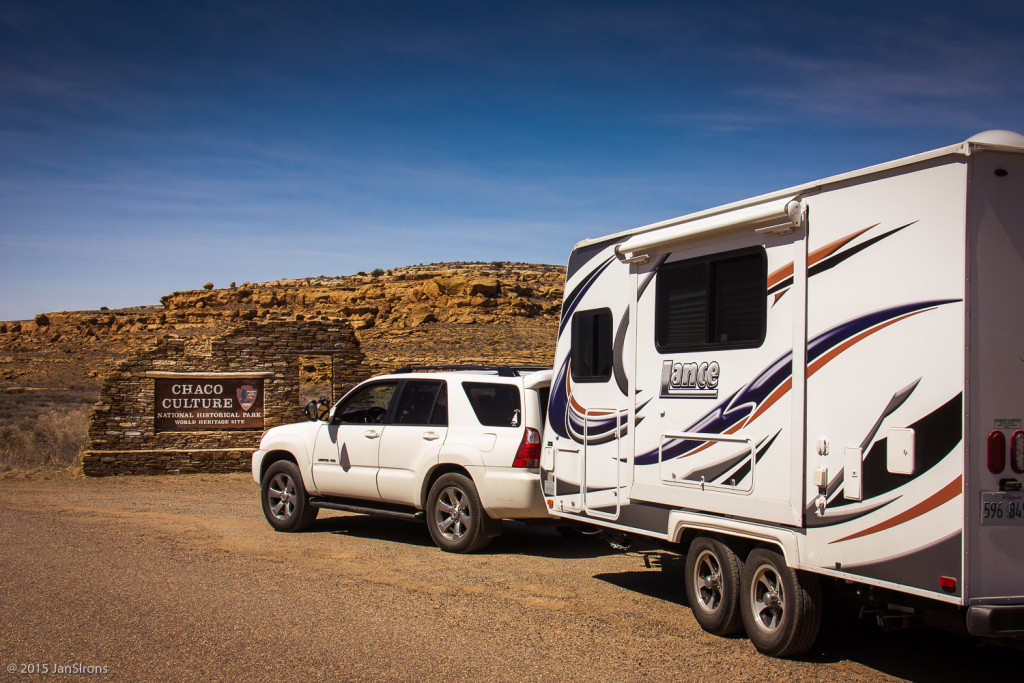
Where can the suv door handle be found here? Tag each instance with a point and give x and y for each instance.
(431, 436)
(371, 433)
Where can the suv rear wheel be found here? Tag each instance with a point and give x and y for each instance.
(455, 516)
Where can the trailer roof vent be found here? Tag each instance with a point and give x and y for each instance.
(1001, 138)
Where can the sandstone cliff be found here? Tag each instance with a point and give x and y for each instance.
(440, 313)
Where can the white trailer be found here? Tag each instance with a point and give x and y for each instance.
(821, 383)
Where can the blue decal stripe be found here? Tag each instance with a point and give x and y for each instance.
(739, 406)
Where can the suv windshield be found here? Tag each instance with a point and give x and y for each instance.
(369, 406)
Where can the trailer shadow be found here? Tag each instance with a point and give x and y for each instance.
(669, 584)
(517, 538)
(918, 654)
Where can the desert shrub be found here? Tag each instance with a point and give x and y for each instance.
(54, 439)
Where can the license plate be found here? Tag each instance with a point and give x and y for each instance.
(1002, 508)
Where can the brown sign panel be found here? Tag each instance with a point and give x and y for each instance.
(195, 404)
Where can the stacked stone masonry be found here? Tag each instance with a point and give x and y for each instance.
(122, 434)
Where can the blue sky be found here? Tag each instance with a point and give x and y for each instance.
(148, 147)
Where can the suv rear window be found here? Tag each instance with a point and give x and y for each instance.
(495, 405)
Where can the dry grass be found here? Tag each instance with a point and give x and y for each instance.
(53, 439)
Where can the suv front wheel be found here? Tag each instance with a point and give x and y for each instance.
(455, 516)
(285, 504)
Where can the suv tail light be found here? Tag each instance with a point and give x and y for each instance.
(528, 454)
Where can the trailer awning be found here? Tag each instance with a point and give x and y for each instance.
(777, 216)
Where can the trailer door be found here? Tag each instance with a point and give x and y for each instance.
(720, 426)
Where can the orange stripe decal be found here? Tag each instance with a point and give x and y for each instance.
(815, 256)
(946, 494)
(708, 444)
(780, 275)
(829, 249)
(776, 395)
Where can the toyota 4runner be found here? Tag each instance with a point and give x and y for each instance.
(457, 446)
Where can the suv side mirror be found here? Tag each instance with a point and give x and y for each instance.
(317, 410)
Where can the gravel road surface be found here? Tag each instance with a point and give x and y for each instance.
(180, 578)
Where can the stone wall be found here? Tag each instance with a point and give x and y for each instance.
(122, 434)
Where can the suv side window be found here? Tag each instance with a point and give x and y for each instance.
(423, 402)
(495, 405)
(368, 406)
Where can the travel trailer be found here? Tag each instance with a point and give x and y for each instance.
(819, 386)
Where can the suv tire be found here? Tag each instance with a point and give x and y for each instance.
(456, 518)
(285, 503)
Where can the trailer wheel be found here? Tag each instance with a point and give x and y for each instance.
(713, 586)
(781, 608)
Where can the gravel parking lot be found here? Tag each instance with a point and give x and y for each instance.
(180, 578)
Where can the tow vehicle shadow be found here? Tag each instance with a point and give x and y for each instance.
(920, 653)
(517, 538)
(369, 527)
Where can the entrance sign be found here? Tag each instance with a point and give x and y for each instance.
(191, 403)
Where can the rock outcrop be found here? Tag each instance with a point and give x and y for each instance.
(440, 313)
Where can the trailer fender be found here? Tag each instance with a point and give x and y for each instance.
(785, 539)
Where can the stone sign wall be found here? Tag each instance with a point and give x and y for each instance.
(132, 433)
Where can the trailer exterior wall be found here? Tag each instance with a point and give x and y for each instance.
(995, 357)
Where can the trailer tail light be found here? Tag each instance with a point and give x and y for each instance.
(1017, 452)
(996, 452)
(947, 583)
(528, 454)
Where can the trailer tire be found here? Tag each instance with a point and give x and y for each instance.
(713, 574)
(781, 608)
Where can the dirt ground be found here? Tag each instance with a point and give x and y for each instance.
(180, 578)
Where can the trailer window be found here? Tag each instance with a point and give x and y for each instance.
(714, 302)
(591, 354)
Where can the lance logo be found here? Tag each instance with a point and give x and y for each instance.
(246, 396)
(689, 380)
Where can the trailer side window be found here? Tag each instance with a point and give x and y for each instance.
(591, 355)
(713, 302)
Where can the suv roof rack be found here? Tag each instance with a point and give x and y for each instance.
(502, 370)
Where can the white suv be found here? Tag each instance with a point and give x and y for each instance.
(456, 445)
